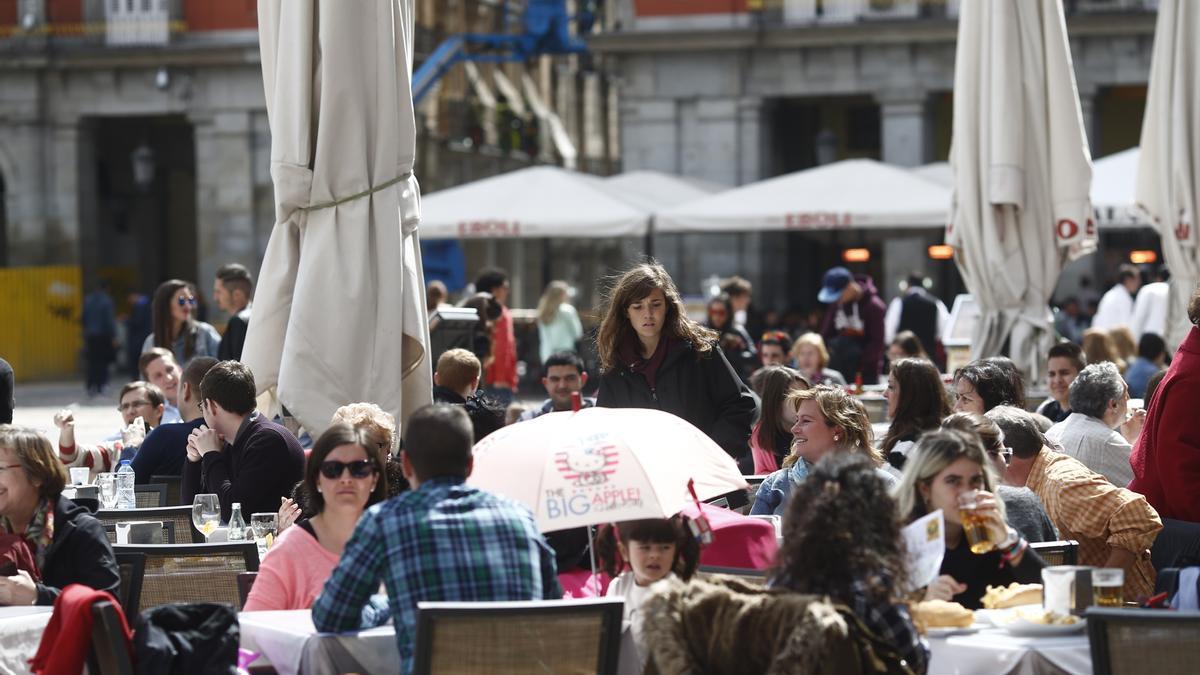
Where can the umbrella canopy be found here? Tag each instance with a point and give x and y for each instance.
(603, 465)
(655, 190)
(855, 193)
(1022, 171)
(541, 201)
(339, 312)
(937, 172)
(1114, 179)
(1168, 183)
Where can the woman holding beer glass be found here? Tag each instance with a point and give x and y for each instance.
(949, 470)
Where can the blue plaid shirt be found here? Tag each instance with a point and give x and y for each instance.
(441, 542)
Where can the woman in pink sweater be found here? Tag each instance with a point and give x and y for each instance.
(344, 475)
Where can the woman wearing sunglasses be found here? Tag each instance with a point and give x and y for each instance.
(174, 327)
(344, 476)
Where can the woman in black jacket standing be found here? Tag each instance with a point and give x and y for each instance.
(653, 356)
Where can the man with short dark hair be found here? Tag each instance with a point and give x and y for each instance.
(1116, 307)
(440, 541)
(501, 378)
(565, 376)
(776, 348)
(158, 367)
(237, 453)
(1152, 355)
(741, 294)
(1166, 457)
(1063, 364)
(1115, 527)
(165, 448)
(917, 310)
(232, 290)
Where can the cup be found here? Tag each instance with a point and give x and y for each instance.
(1067, 589)
(108, 490)
(1107, 585)
(80, 475)
(975, 529)
(264, 526)
(122, 533)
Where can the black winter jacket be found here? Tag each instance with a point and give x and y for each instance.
(78, 554)
(702, 389)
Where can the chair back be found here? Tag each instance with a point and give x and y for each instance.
(173, 484)
(180, 516)
(245, 582)
(193, 572)
(758, 577)
(1129, 641)
(132, 567)
(150, 495)
(559, 636)
(144, 532)
(1064, 552)
(108, 654)
(1177, 545)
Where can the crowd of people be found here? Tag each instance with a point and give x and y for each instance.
(367, 505)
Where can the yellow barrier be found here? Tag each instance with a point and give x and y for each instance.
(40, 335)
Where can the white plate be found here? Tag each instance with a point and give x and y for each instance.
(950, 630)
(1022, 627)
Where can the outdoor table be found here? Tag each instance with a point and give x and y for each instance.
(21, 631)
(290, 642)
(994, 650)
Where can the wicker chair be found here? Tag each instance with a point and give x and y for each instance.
(1143, 641)
(173, 484)
(165, 533)
(559, 636)
(193, 572)
(181, 516)
(1057, 552)
(132, 567)
(150, 495)
(106, 655)
(245, 582)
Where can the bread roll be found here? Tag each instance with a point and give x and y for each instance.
(942, 614)
(1013, 595)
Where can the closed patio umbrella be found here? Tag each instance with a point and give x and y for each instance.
(339, 312)
(1168, 183)
(1022, 170)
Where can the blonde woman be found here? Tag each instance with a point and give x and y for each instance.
(1099, 346)
(811, 357)
(558, 322)
(828, 420)
(944, 465)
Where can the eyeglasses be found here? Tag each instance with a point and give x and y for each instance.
(333, 469)
(185, 301)
(1003, 453)
(131, 405)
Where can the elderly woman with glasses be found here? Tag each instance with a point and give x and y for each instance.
(59, 541)
(1022, 507)
(344, 475)
(175, 329)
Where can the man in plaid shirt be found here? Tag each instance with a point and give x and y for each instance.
(440, 541)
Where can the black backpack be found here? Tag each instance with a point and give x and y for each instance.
(187, 639)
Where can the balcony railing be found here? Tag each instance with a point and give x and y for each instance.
(137, 22)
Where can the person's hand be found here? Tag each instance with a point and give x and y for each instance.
(944, 587)
(1133, 426)
(193, 453)
(206, 440)
(133, 435)
(289, 512)
(19, 589)
(64, 418)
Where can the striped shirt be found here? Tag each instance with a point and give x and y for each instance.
(1100, 516)
(444, 541)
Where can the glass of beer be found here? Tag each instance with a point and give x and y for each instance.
(974, 525)
(1107, 583)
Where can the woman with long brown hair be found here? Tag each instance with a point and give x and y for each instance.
(917, 402)
(771, 438)
(175, 329)
(653, 356)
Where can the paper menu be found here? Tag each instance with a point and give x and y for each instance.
(925, 542)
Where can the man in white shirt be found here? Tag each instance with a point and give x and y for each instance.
(1150, 308)
(1116, 307)
(1099, 404)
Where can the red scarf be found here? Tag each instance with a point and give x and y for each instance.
(631, 355)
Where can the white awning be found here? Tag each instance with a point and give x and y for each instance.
(938, 172)
(1114, 181)
(655, 190)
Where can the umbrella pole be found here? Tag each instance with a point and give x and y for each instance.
(592, 555)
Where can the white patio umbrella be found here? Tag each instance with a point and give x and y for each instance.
(1022, 171)
(1114, 183)
(855, 193)
(938, 172)
(339, 312)
(655, 190)
(1168, 184)
(540, 201)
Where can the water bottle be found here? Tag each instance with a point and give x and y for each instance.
(237, 524)
(125, 493)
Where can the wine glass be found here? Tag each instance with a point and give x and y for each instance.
(206, 514)
(264, 526)
(108, 490)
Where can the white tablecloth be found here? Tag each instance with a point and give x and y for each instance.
(21, 631)
(995, 652)
(290, 642)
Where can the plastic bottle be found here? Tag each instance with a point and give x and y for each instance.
(237, 524)
(126, 498)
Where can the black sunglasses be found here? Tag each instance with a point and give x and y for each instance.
(332, 469)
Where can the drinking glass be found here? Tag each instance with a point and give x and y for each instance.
(80, 475)
(264, 526)
(206, 514)
(108, 489)
(1107, 583)
(979, 538)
